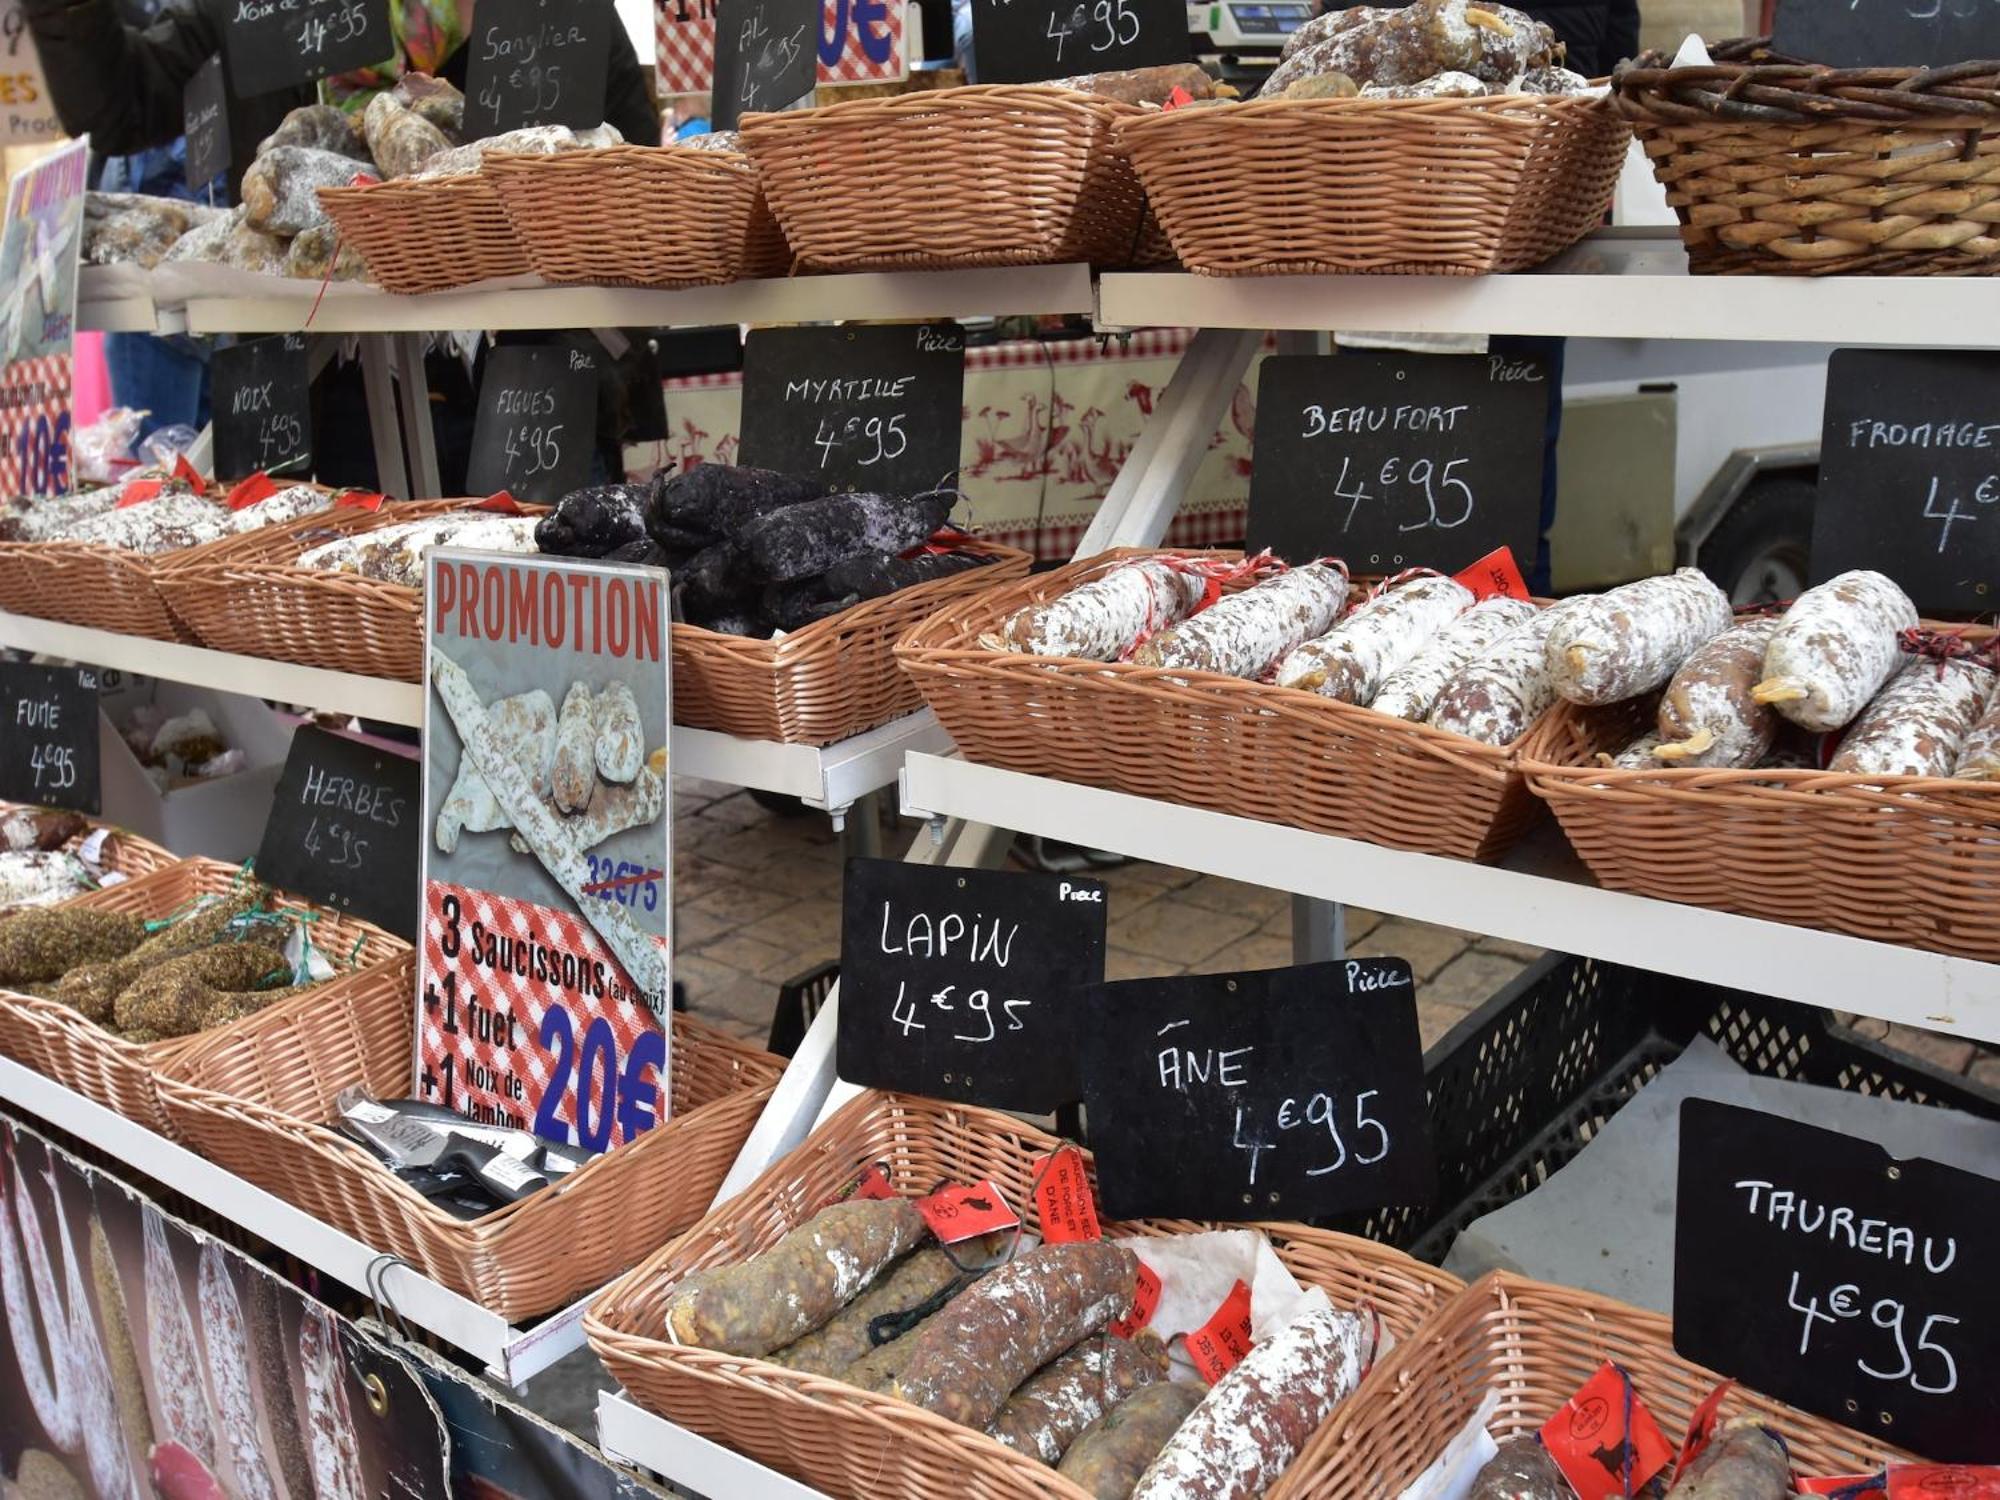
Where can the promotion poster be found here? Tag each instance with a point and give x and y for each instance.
(39, 252)
(543, 995)
(143, 1358)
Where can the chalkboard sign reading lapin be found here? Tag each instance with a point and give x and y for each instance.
(343, 829)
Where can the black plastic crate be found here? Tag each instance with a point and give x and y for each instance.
(799, 1000)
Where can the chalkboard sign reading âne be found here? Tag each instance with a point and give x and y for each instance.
(1887, 33)
(205, 123)
(343, 829)
(262, 407)
(766, 56)
(964, 984)
(1394, 461)
(1285, 1093)
(1816, 1268)
(48, 736)
(279, 44)
(537, 422)
(537, 62)
(1028, 41)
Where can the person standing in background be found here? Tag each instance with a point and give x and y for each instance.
(1600, 34)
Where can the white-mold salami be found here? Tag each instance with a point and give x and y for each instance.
(228, 1336)
(1412, 690)
(1710, 716)
(1504, 691)
(336, 1448)
(1980, 760)
(1641, 755)
(1350, 662)
(1835, 648)
(185, 1417)
(1632, 639)
(1917, 725)
(1245, 635)
(1104, 618)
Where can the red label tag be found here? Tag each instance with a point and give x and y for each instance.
(357, 500)
(1846, 1486)
(1145, 1302)
(503, 502)
(186, 471)
(1701, 1426)
(249, 491)
(1224, 1339)
(1944, 1482)
(1177, 98)
(138, 492)
(1063, 1200)
(1604, 1440)
(963, 1213)
(874, 1183)
(1495, 575)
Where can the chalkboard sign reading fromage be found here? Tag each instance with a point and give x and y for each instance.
(537, 62)
(1888, 33)
(205, 123)
(48, 736)
(262, 408)
(343, 829)
(1028, 41)
(766, 56)
(279, 44)
(537, 422)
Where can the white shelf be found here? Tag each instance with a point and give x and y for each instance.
(629, 1434)
(1541, 896)
(831, 779)
(511, 1354)
(120, 315)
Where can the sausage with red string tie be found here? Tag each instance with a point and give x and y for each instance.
(1103, 619)
(1918, 724)
(1412, 690)
(1246, 634)
(1350, 662)
(1834, 649)
(1710, 716)
(1632, 639)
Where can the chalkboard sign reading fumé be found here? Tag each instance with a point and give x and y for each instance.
(1285, 1093)
(262, 407)
(874, 408)
(1816, 1268)
(343, 829)
(964, 984)
(536, 424)
(205, 123)
(1909, 474)
(537, 62)
(1399, 460)
(1027, 41)
(1887, 33)
(278, 44)
(48, 736)
(766, 56)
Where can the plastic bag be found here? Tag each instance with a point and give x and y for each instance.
(161, 448)
(103, 450)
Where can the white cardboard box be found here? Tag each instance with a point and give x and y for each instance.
(223, 819)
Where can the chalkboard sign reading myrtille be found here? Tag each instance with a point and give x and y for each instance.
(537, 422)
(537, 62)
(864, 408)
(278, 44)
(1909, 474)
(343, 829)
(1816, 1268)
(205, 123)
(766, 56)
(48, 736)
(1888, 33)
(1027, 41)
(1399, 460)
(262, 408)
(1281, 1094)
(964, 984)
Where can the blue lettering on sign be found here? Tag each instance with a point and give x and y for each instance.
(831, 46)
(871, 21)
(870, 28)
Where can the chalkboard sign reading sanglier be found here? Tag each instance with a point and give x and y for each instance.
(964, 984)
(1028, 41)
(537, 62)
(48, 736)
(205, 123)
(262, 408)
(1814, 1267)
(1284, 1093)
(343, 829)
(1887, 33)
(537, 422)
(278, 44)
(1393, 461)
(766, 56)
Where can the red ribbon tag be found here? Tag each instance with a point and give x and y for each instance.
(1604, 1440)
(1177, 98)
(186, 471)
(1944, 1482)
(874, 1183)
(963, 1213)
(1847, 1486)
(1224, 1339)
(1496, 575)
(503, 502)
(138, 492)
(248, 492)
(1145, 1302)
(357, 500)
(1701, 1427)
(1063, 1200)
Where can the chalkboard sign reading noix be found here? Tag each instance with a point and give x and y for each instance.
(48, 736)
(537, 422)
(262, 408)
(1887, 33)
(1284, 1094)
(537, 62)
(766, 56)
(279, 44)
(1028, 41)
(1909, 474)
(1399, 460)
(343, 829)
(205, 123)
(964, 984)
(864, 408)
(1816, 1268)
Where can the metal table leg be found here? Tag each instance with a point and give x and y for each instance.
(413, 396)
(377, 380)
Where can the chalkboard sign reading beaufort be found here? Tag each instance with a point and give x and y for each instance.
(1909, 474)
(1816, 1268)
(537, 62)
(1399, 460)
(343, 829)
(48, 736)
(1285, 1093)
(1028, 41)
(537, 422)
(263, 408)
(205, 123)
(1887, 33)
(766, 56)
(964, 984)
(278, 44)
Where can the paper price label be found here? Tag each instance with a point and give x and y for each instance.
(1219, 1345)
(1145, 1302)
(964, 1213)
(1063, 1199)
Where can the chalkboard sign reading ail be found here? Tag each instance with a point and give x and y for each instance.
(262, 407)
(48, 736)
(766, 56)
(343, 829)
(1028, 41)
(279, 44)
(537, 422)
(537, 62)
(1887, 33)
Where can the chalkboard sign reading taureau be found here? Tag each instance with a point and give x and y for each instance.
(343, 829)
(1888, 33)
(537, 62)
(48, 746)
(278, 44)
(263, 408)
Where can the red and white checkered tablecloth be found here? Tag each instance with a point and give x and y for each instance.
(684, 32)
(35, 426)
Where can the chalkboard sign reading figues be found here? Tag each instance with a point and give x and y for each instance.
(1028, 41)
(964, 984)
(278, 44)
(867, 408)
(1399, 460)
(537, 421)
(343, 829)
(48, 736)
(263, 408)
(766, 56)
(1816, 1268)
(537, 62)
(1887, 33)
(205, 123)
(1909, 474)
(1281, 1094)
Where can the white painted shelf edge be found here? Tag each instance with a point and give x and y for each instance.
(629, 1434)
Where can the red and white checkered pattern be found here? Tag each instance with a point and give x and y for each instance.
(31, 391)
(1058, 537)
(684, 34)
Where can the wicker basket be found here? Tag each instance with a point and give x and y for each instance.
(431, 235)
(1534, 1345)
(1296, 186)
(55, 1039)
(251, 1100)
(88, 583)
(854, 1444)
(1782, 168)
(123, 854)
(1907, 859)
(651, 216)
(1010, 175)
(1205, 740)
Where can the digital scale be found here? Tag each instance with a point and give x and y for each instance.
(1244, 38)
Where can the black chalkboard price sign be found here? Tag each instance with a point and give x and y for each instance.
(262, 406)
(279, 44)
(963, 984)
(1027, 41)
(537, 422)
(1394, 461)
(1887, 33)
(205, 123)
(863, 408)
(343, 829)
(1285, 1093)
(1909, 474)
(537, 62)
(1816, 1268)
(48, 742)
(766, 56)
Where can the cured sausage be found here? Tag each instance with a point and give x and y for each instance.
(184, 1414)
(1642, 754)
(1521, 1470)
(1410, 691)
(1741, 1462)
(228, 1340)
(575, 771)
(1980, 760)
(1054, 1405)
(621, 738)
(1350, 662)
(1631, 640)
(121, 1352)
(1244, 635)
(1710, 715)
(1835, 648)
(1504, 691)
(1104, 618)
(1917, 725)
(1111, 1454)
(907, 1285)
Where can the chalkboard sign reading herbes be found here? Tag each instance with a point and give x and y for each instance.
(537, 422)
(262, 408)
(343, 829)
(537, 62)
(48, 736)
(279, 44)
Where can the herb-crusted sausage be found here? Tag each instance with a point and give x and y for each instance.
(1350, 662)
(1412, 690)
(1111, 1454)
(1835, 648)
(1246, 634)
(1710, 715)
(1054, 1405)
(1917, 725)
(1632, 639)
